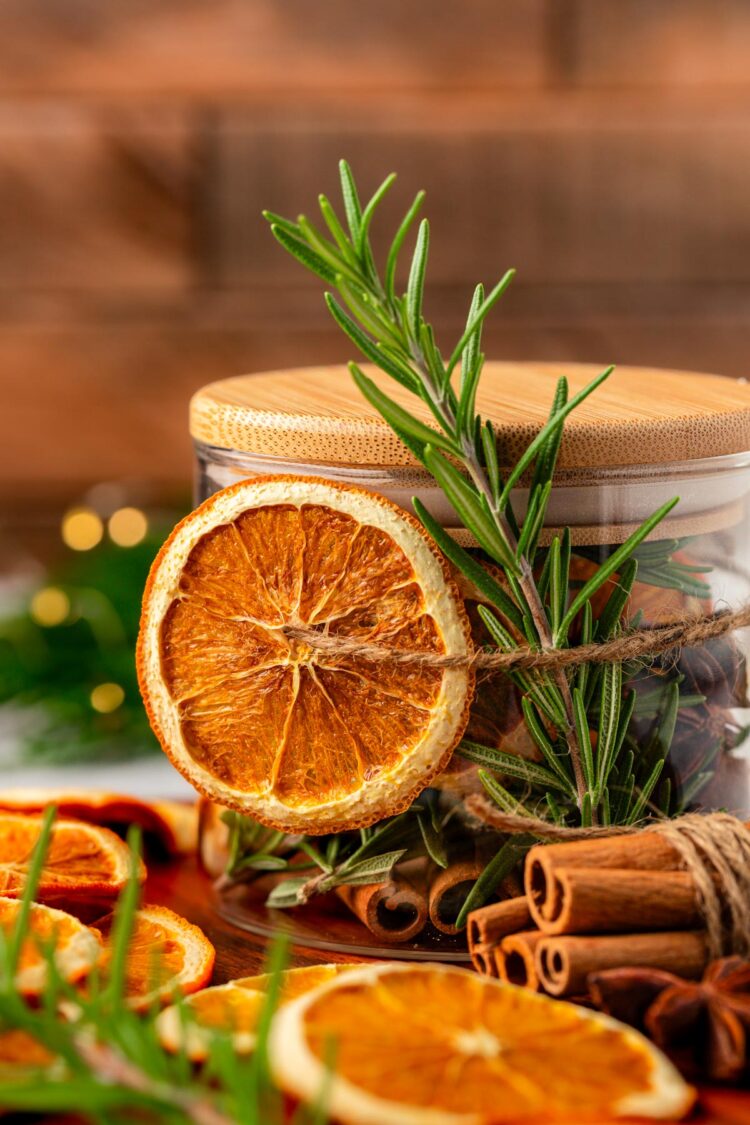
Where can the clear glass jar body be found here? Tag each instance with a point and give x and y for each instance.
(699, 696)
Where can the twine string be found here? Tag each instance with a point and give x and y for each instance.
(689, 632)
(714, 848)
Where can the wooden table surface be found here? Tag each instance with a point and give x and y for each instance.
(183, 887)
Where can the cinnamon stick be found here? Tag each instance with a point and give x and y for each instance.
(564, 963)
(394, 911)
(489, 924)
(448, 892)
(516, 961)
(639, 851)
(585, 900)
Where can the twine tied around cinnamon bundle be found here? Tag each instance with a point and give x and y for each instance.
(714, 849)
(688, 632)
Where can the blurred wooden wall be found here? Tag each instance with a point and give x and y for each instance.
(600, 146)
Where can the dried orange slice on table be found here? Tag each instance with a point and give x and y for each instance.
(299, 738)
(76, 947)
(85, 865)
(172, 823)
(433, 1045)
(167, 955)
(233, 1009)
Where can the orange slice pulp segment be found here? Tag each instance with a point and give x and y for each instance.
(432, 1045)
(76, 947)
(167, 955)
(233, 1009)
(299, 738)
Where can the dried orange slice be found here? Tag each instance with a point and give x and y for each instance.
(233, 1009)
(84, 863)
(433, 1045)
(174, 824)
(166, 955)
(298, 738)
(76, 948)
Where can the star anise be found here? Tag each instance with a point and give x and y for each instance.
(702, 1025)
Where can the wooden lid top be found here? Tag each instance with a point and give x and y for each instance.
(640, 416)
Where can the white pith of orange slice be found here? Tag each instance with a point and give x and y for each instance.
(274, 728)
(436, 1045)
(233, 1009)
(76, 947)
(167, 956)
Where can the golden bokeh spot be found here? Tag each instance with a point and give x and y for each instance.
(127, 527)
(107, 697)
(50, 606)
(82, 529)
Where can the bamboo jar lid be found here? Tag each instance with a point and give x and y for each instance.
(640, 416)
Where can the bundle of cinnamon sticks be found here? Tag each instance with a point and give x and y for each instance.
(588, 905)
(417, 893)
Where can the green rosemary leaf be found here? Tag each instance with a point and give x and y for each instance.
(584, 741)
(665, 729)
(547, 431)
(368, 314)
(471, 369)
(391, 831)
(512, 765)
(665, 796)
(587, 632)
(327, 251)
(339, 234)
(534, 520)
(370, 210)
(489, 446)
(415, 286)
(312, 852)
(611, 615)
(605, 808)
(539, 734)
(367, 346)
(547, 459)
(468, 506)
(463, 561)
(639, 807)
(558, 587)
(555, 811)
(433, 841)
(279, 221)
(612, 564)
(302, 252)
(610, 705)
(475, 321)
(395, 415)
(398, 241)
(501, 796)
(509, 855)
(34, 874)
(587, 813)
(351, 200)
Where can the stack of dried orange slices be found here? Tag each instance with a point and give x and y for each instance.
(86, 868)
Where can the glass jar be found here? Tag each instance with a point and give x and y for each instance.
(642, 438)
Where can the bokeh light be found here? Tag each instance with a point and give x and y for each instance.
(50, 606)
(107, 697)
(127, 527)
(82, 529)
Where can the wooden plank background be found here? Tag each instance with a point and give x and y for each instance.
(600, 146)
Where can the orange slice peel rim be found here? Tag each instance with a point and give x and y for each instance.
(76, 951)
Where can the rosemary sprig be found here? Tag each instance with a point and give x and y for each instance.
(107, 1063)
(584, 780)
